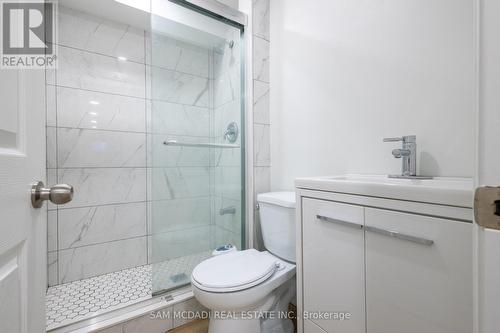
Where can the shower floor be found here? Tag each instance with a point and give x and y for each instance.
(79, 300)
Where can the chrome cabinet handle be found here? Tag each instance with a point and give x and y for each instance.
(58, 194)
(341, 222)
(395, 234)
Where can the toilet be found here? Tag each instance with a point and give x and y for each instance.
(249, 291)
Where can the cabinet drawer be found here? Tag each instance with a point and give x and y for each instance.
(413, 285)
(333, 263)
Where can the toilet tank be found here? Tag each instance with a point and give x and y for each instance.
(277, 221)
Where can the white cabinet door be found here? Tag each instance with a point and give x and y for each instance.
(414, 287)
(333, 264)
(310, 327)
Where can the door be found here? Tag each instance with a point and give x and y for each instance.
(333, 265)
(418, 275)
(487, 250)
(22, 228)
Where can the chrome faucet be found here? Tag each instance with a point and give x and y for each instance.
(408, 154)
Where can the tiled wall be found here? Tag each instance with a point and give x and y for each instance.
(97, 142)
(105, 129)
(261, 126)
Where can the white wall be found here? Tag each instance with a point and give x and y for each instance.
(345, 74)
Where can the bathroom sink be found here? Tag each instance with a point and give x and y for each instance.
(439, 190)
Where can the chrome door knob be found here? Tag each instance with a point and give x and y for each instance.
(58, 194)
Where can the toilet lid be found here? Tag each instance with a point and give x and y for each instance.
(234, 271)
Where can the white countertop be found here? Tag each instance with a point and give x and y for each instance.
(439, 190)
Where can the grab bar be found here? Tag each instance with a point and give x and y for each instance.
(203, 145)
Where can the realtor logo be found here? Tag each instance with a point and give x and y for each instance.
(28, 34)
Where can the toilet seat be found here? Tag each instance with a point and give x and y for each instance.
(234, 271)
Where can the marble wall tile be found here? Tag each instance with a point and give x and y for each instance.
(52, 269)
(160, 324)
(223, 236)
(51, 147)
(260, 15)
(179, 119)
(179, 214)
(179, 56)
(100, 186)
(179, 182)
(51, 230)
(93, 148)
(94, 110)
(95, 34)
(262, 180)
(227, 88)
(227, 58)
(51, 109)
(174, 244)
(87, 261)
(92, 225)
(228, 182)
(175, 87)
(260, 59)
(171, 156)
(91, 71)
(262, 149)
(231, 222)
(261, 104)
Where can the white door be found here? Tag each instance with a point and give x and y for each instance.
(488, 240)
(23, 247)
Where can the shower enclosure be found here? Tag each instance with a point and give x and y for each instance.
(197, 164)
(145, 118)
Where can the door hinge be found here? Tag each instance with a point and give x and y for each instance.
(487, 207)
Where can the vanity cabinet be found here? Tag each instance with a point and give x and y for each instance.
(394, 271)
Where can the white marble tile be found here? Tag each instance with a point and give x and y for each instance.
(78, 108)
(179, 214)
(52, 276)
(260, 17)
(93, 148)
(171, 156)
(192, 306)
(52, 230)
(179, 119)
(95, 34)
(50, 93)
(261, 106)
(175, 87)
(51, 147)
(227, 58)
(161, 322)
(91, 71)
(179, 182)
(223, 236)
(178, 55)
(87, 261)
(260, 59)
(175, 244)
(231, 222)
(99, 224)
(262, 180)
(228, 182)
(227, 87)
(100, 186)
(261, 145)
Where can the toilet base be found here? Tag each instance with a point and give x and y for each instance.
(252, 321)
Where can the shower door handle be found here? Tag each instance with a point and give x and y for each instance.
(58, 194)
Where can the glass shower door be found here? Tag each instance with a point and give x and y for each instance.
(196, 173)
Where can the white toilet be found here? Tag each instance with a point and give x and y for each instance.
(249, 291)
